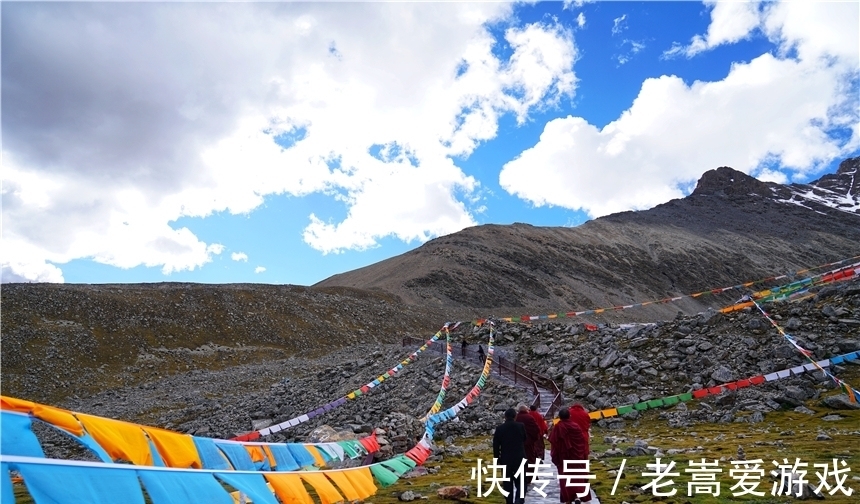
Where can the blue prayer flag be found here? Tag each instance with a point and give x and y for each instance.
(181, 487)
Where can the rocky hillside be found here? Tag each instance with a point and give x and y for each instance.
(624, 365)
(611, 366)
(64, 340)
(732, 228)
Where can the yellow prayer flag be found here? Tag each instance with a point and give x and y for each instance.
(289, 488)
(177, 450)
(343, 483)
(327, 493)
(59, 418)
(121, 440)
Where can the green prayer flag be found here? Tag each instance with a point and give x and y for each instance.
(668, 401)
(383, 475)
(397, 466)
(655, 403)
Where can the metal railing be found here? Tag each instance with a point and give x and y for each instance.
(507, 368)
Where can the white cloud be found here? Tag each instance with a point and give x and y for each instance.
(635, 48)
(259, 269)
(774, 108)
(730, 23)
(580, 20)
(619, 24)
(111, 133)
(239, 256)
(570, 4)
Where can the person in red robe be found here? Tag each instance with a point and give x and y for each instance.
(580, 416)
(532, 436)
(569, 444)
(540, 447)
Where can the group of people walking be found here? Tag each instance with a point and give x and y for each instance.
(519, 441)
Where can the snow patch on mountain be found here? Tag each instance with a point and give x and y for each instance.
(839, 191)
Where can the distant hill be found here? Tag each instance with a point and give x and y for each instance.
(732, 228)
(65, 339)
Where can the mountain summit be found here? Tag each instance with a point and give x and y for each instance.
(732, 228)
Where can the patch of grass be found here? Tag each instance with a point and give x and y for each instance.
(766, 441)
(783, 435)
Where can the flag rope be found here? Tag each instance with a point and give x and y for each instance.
(853, 270)
(446, 378)
(272, 429)
(453, 411)
(721, 388)
(845, 387)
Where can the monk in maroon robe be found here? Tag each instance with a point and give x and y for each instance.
(569, 444)
(580, 416)
(532, 436)
(540, 447)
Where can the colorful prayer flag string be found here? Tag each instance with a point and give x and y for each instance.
(432, 420)
(808, 354)
(735, 385)
(853, 270)
(446, 377)
(250, 436)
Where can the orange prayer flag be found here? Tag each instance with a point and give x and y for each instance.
(343, 484)
(176, 449)
(256, 453)
(319, 461)
(327, 493)
(271, 456)
(362, 480)
(13, 404)
(59, 418)
(289, 488)
(121, 440)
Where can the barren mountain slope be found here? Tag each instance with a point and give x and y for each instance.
(59, 340)
(732, 228)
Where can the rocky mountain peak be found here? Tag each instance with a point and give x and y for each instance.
(731, 228)
(726, 181)
(840, 190)
(849, 167)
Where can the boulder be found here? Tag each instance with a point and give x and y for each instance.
(840, 401)
(453, 492)
(408, 496)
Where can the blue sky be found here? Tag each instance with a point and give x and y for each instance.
(284, 143)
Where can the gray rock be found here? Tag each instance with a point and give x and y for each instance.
(823, 437)
(635, 451)
(608, 359)
(638, 342)
(722, 375)
(848, 345)
(541, 349)
(797, 393)
(416, 472)
(587, 376)
(793, 323)
(840, 401)
(804, 410)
